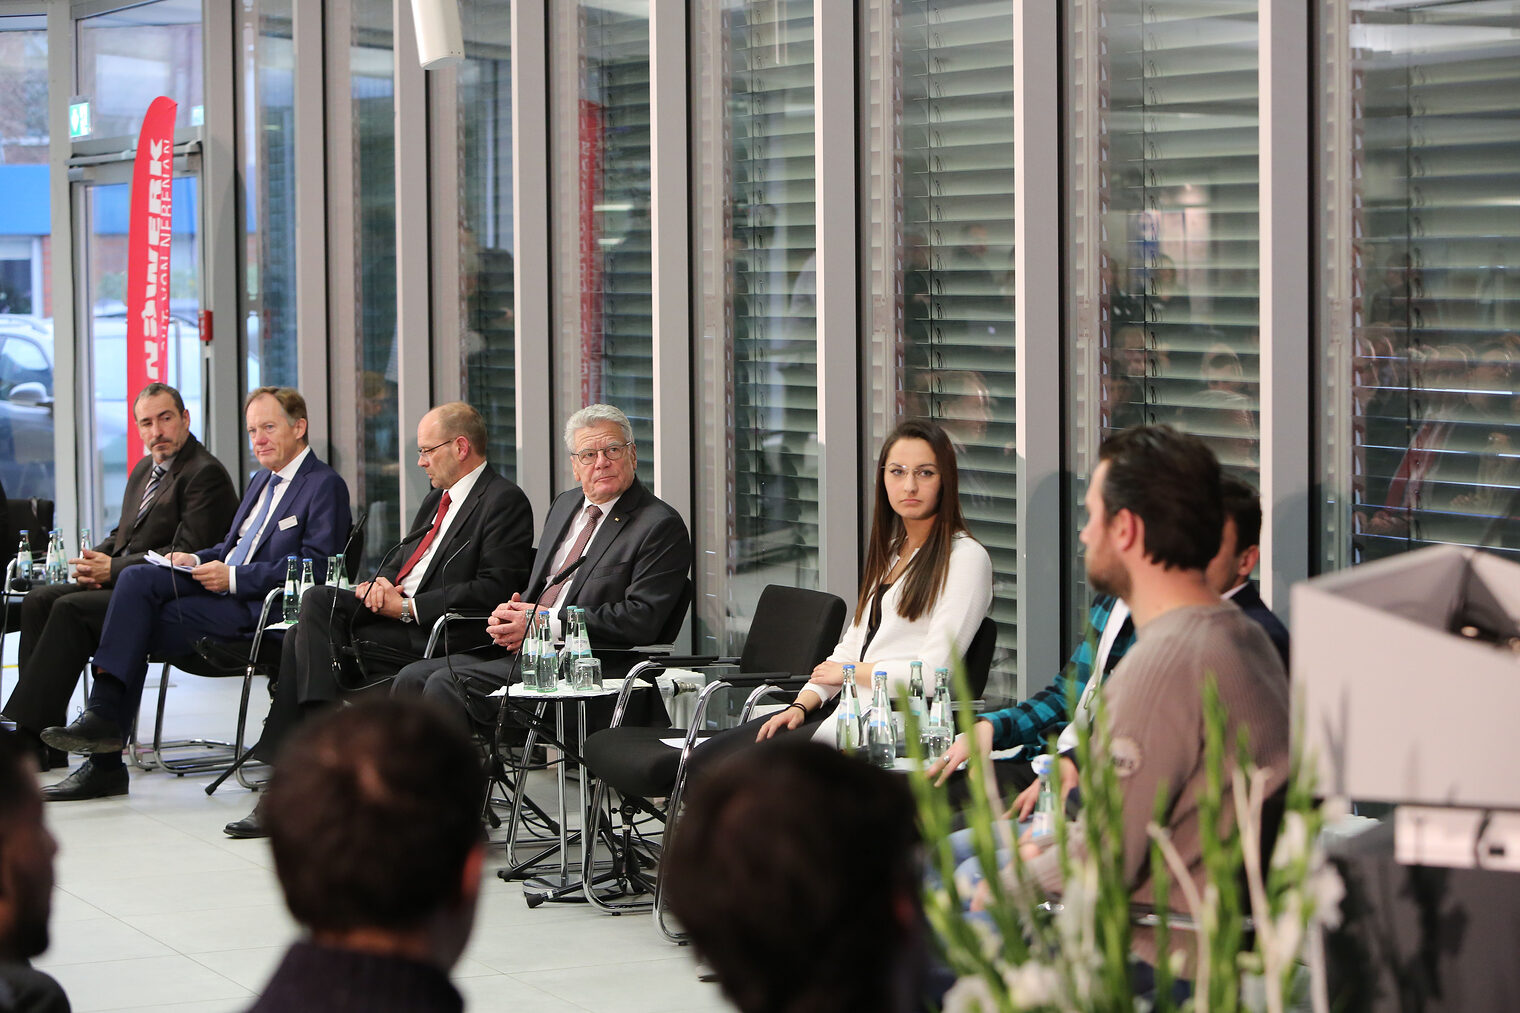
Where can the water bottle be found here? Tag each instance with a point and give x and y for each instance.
(84, 543)
(1042, 823)
(936, 733)
(881, 738)
(308, 577)
(292, 589)
(848, 734)
(24, 556)
(57, 559)
(336, 575)
(528, 654)
(548, 658)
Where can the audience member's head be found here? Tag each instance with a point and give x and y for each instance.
(795, 869)
(1162, 486)
(26, 855)
(374, 818)
(1239, 541)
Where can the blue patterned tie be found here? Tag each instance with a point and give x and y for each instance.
(147, 497)
(244, 547)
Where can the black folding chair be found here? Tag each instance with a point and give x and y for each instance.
(792, 631)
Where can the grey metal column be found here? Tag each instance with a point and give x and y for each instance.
(670, 284)
(69, 436)
(1286, 340)
(530, 210)
(835, 208)
(443, 188)
(312, 334)
(413, 322)
(1037, 347)
(345, 440)
(224, 434)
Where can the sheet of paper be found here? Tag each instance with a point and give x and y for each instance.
(159, 559)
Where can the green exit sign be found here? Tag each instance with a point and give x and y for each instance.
(79, 118)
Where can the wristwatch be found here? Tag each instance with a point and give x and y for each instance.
(406, 611)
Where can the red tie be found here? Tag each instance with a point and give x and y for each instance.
(551, 593)
(422, 546)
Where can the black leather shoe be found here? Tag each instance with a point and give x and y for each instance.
(48, 758)
(90, 732)
(250, 826)
(89, 781)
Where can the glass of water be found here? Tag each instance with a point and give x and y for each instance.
(587, 674)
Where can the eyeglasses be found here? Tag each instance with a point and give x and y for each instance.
(897, 473)
(429, 450)
(612, 451)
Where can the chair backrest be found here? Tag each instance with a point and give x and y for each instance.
(793, 630)
(356, 547)
(33, 515)
(979, 656)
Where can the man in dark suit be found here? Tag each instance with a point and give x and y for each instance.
(609, 547)
(295, 506)
(177, 496)
(1229, 572)
(471, 547)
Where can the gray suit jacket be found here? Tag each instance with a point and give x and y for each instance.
(193, 506)
(634, 572)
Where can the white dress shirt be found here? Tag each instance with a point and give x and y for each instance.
(562, 554)
(273, 517)
(458, 493)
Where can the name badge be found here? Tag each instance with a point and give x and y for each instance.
(287, 523)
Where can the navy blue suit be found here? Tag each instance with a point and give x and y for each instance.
(1249, 600)
(156, 610)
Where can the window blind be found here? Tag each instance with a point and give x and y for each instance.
(1435, 283)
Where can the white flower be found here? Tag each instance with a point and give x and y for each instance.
(971, 994)
(1032, 985)
(1327, 889)
(1292, 840)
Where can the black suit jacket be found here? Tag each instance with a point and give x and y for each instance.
(634, 572)
(496, 521)
(1249, 600)
(193, 506)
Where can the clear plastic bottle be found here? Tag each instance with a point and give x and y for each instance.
(292, 589)
(1042, 822)
(881, 738)
(24, 556)
(848, 734)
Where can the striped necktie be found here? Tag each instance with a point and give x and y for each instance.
(552, 592)
(244, 548)
(148, 493)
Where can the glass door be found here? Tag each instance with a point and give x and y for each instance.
(107, 434)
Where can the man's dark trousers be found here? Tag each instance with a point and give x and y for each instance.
(64, 645)
(156, 610)
(331, 619)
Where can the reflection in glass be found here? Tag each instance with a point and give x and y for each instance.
(130, 57)
(755, 305)
(1421, 228)
(26, 345)
(487, 240)
(269, 164)
(940, 311)
(106, 256)
(601, 125)
(371, 91)
(1162, 210)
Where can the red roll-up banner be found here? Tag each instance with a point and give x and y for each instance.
(149, 225)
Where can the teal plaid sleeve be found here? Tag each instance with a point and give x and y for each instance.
(1028, 723)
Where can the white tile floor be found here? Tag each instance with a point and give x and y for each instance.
(156, 909)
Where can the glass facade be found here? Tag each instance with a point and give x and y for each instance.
(755, 305)
(1421, 250)
(373, 107)
(1162, 274)
(127, 58)
(487, 242)
(269, 164)
(939, 260)
(602, 268)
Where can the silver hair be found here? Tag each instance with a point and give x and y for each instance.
(593, 415)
